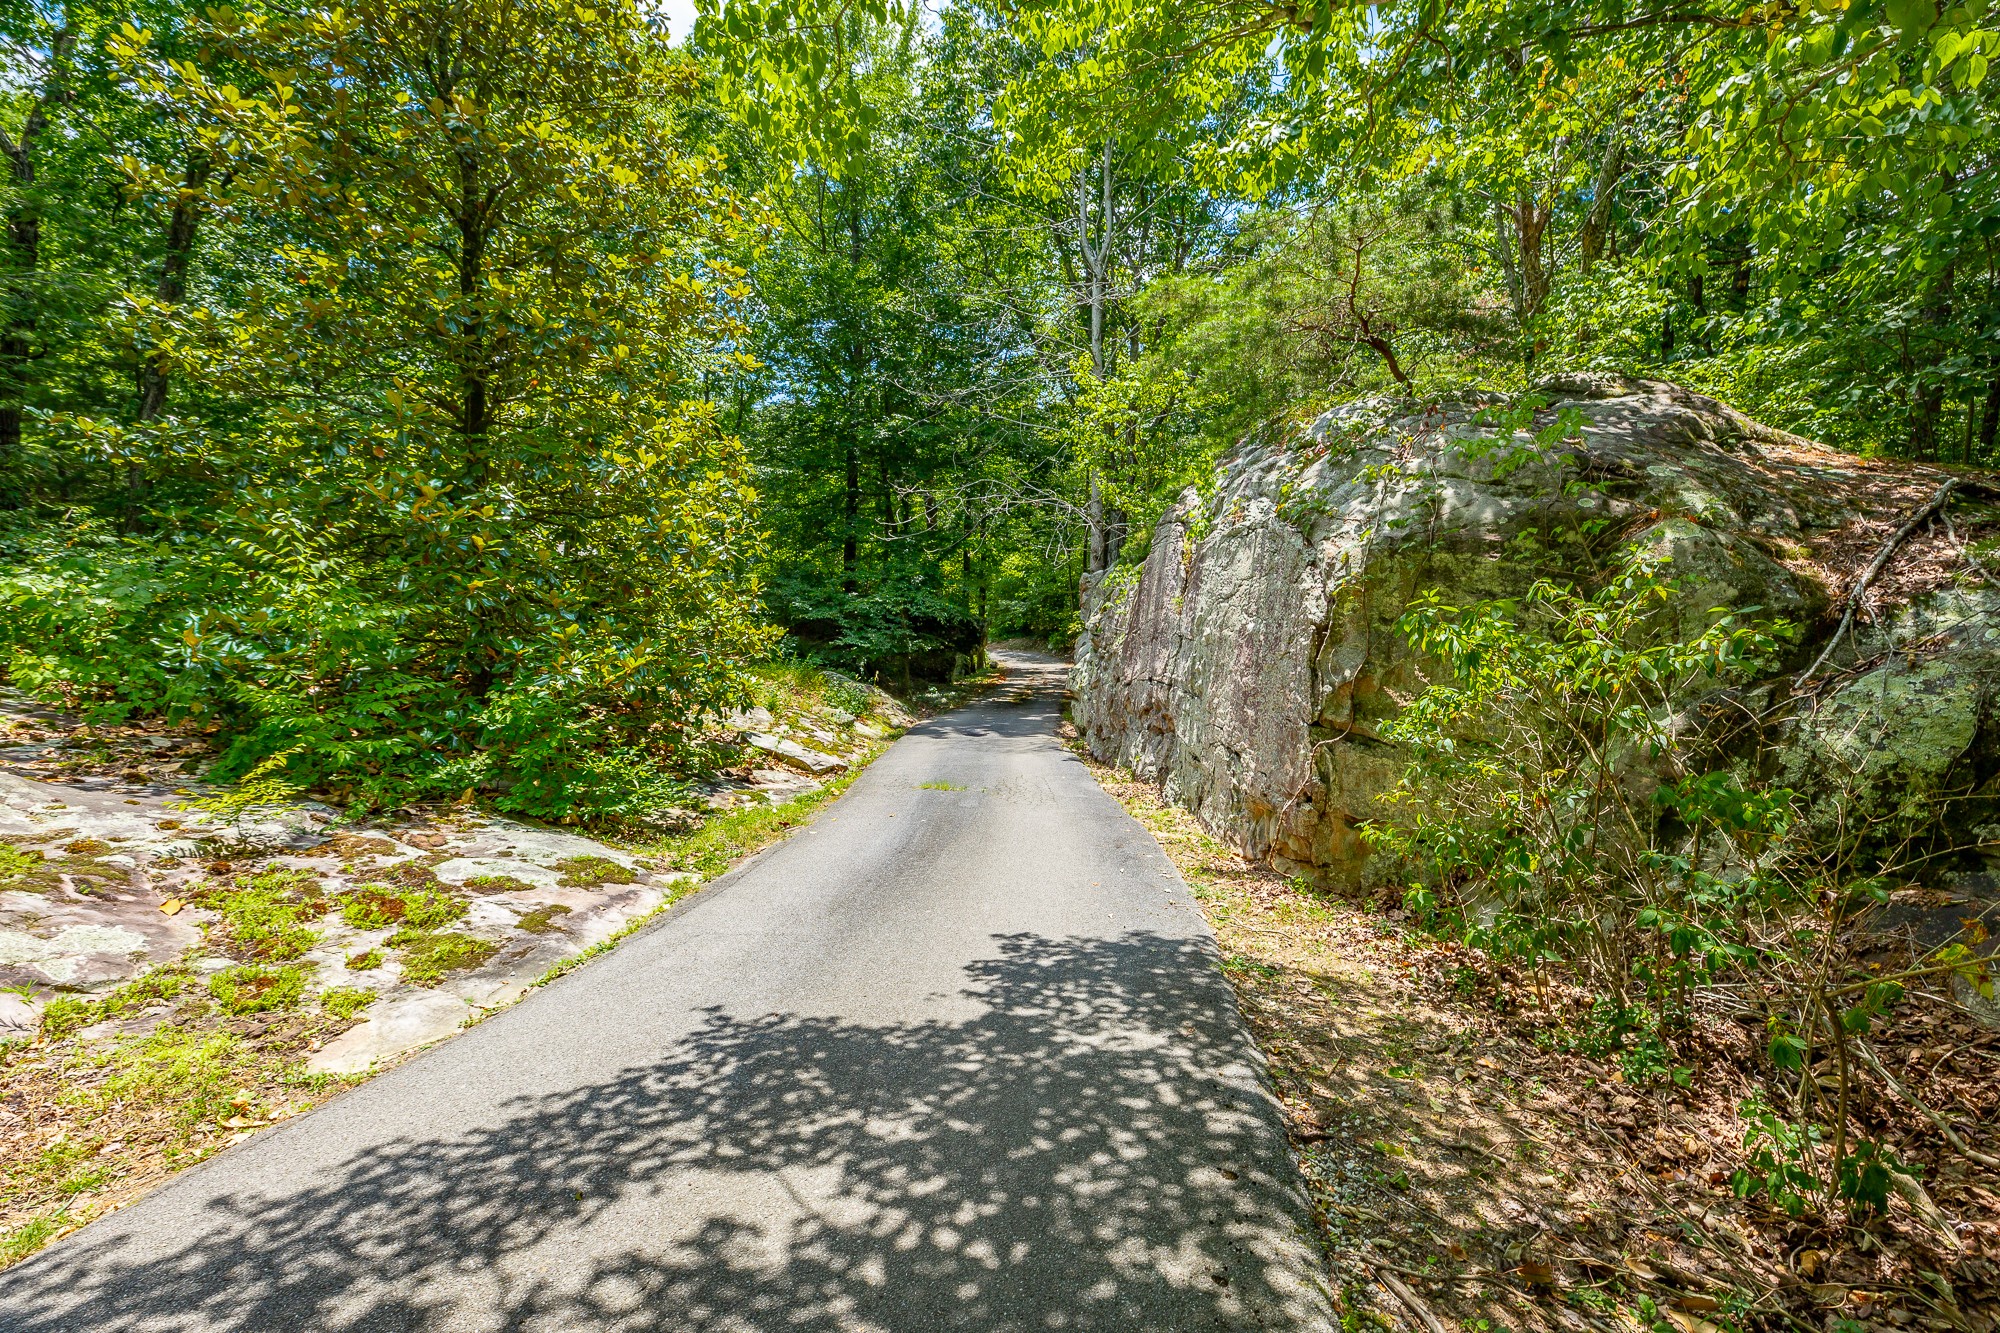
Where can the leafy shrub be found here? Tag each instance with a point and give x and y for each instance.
(1539, 780)
(1564, 818)
(253, 989)
(320, 675)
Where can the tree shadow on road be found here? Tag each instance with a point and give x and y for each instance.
(1093, 1151)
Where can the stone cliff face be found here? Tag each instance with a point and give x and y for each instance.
(1249, 662)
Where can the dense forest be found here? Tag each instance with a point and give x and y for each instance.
(438, 395)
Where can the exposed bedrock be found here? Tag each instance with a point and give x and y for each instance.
(1248, 663)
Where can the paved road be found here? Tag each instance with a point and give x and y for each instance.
(956, 1057)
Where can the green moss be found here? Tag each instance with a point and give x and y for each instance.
(264, 914)
(542, 920)
(429, 955)
(587, 872)
(26, 871)
(370, 907)
(253, 989)
(430, 911)
(347, 1001)
(87, 848)
(362, 962)
(373, 906)
(419, 873)
(496, 884)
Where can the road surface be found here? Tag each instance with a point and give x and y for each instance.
(955, 1057)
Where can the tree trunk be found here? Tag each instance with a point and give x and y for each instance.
(171, 289)
(1503, 250)
(1101, 549)
(1989, 422)
(850, 546)
(1590, 243)
(1530, 217)
(24, 260)
(1927, 402)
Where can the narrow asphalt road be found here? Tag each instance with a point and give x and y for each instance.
(956, 1057)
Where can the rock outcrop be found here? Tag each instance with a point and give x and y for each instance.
(1248, 663)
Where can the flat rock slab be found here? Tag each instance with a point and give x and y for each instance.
(957, 1056)
(94, 912)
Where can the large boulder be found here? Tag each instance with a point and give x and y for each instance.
(1248, 663)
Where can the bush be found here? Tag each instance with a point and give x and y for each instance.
(1566, 817)
(1541, 782)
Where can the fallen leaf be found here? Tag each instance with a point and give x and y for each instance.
(171, 906)
(1537, 1273)
(1688, 1323)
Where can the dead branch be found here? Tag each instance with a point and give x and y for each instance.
(1874, 570)
(1951, 1135)
(1411, 1301)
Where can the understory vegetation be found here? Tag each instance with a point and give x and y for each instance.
(1571, 820)
(434, 398)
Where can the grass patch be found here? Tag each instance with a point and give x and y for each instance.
(254, 989)
(128, 1110)
(347, 1001)
(363, 961)
(428, 956)
(542, 920)
(264, 915)
(784, 687)
(729, 835)
(30, 1236)
(64, 1014)
(940, 786)
(587, 872)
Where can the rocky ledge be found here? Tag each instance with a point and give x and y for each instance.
(1247, 664)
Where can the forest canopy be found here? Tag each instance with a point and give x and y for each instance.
(454, 395)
